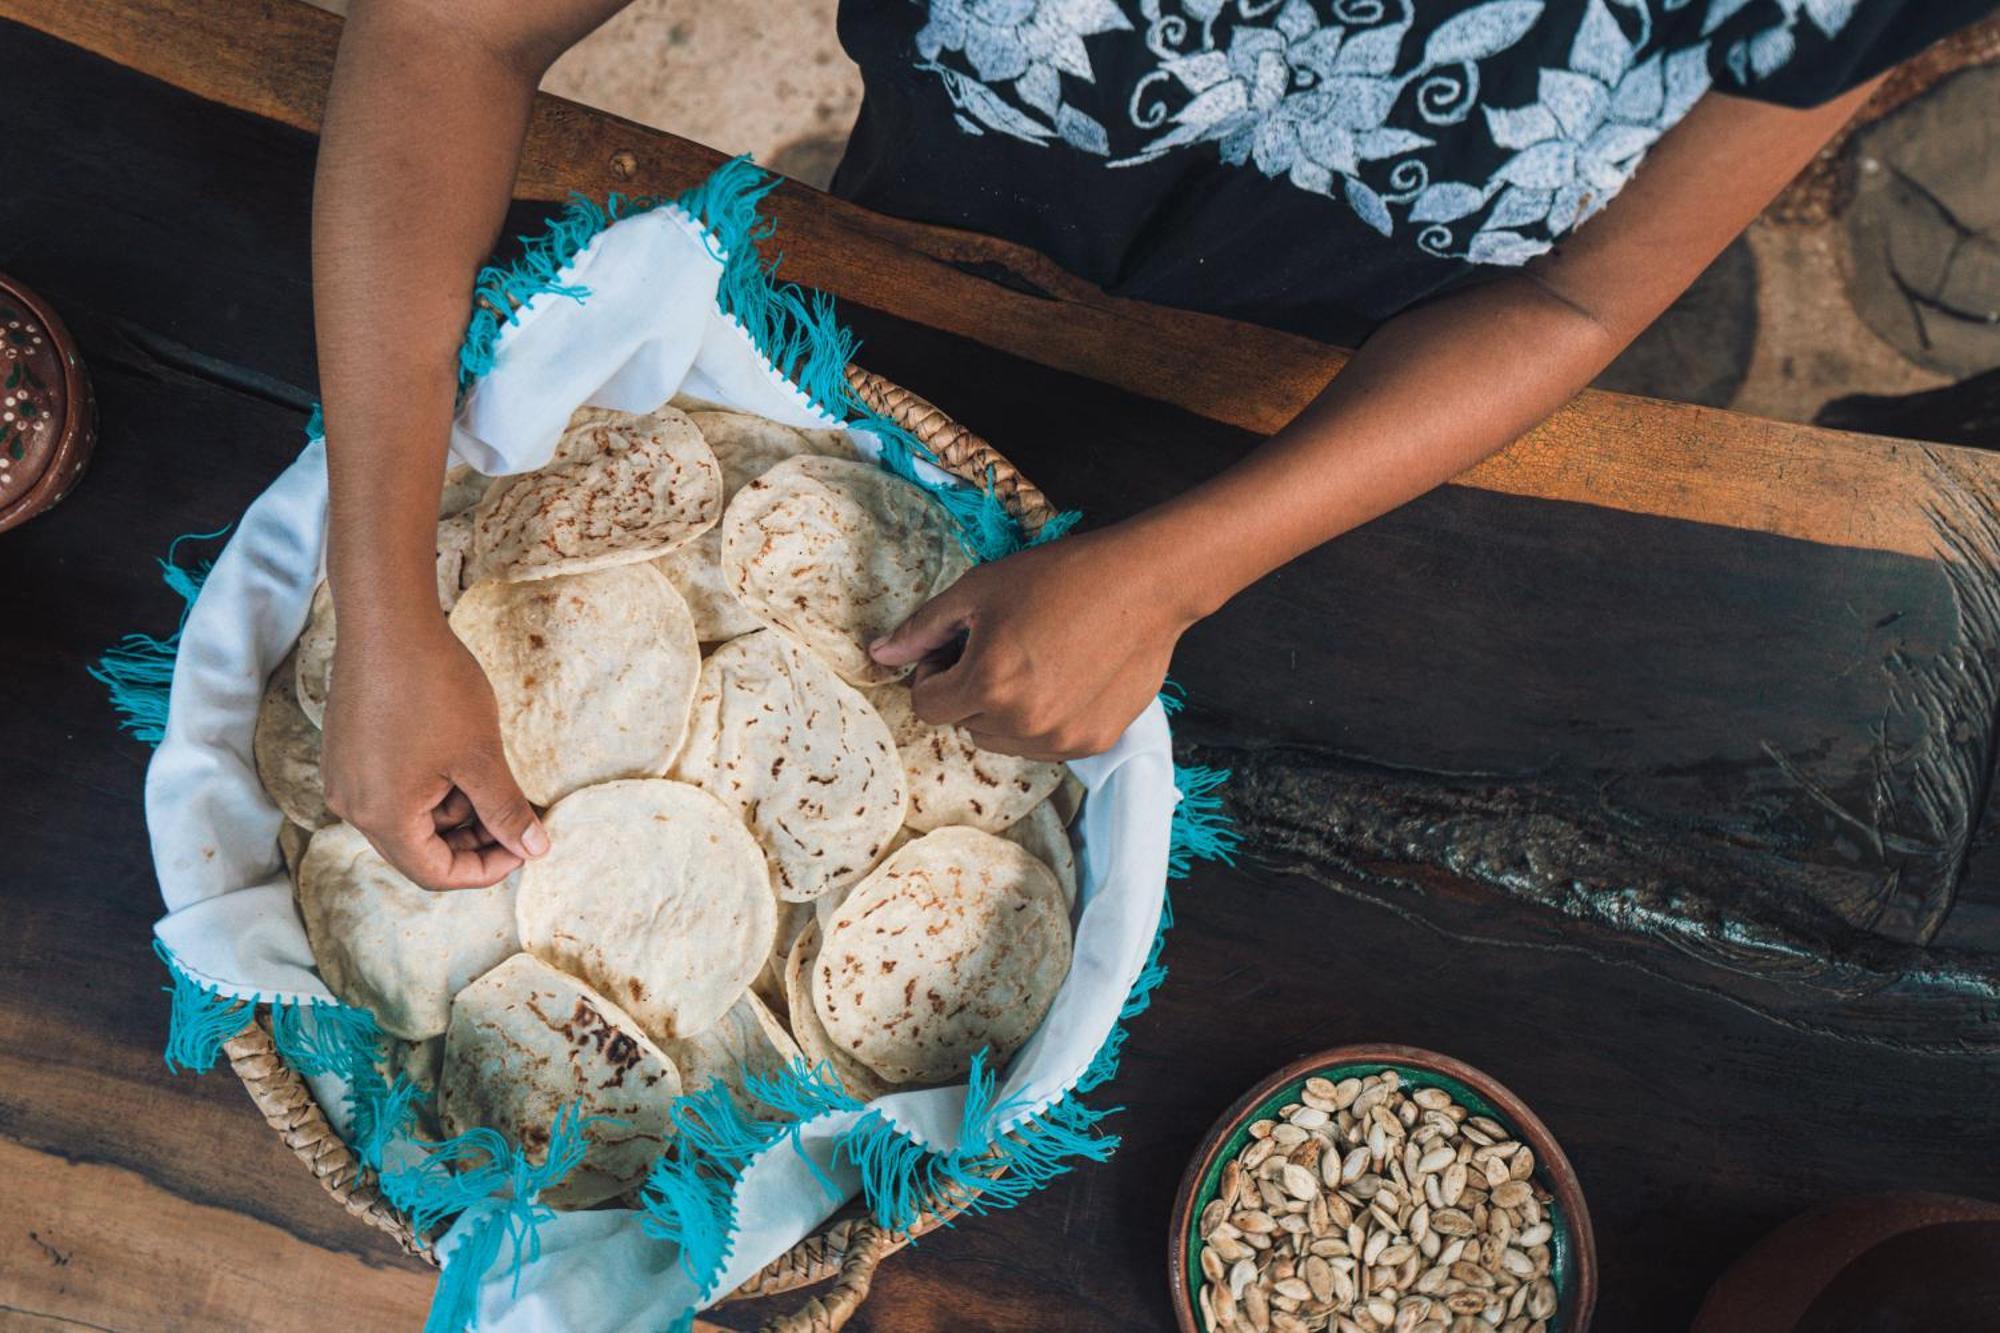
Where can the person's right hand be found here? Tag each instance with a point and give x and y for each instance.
(411, 757)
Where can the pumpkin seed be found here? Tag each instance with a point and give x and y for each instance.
(1370, 1207)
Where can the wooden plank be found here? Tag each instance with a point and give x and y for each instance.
(274, 57)
(95, 1246)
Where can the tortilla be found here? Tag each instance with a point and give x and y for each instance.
(286, 748)
(385, 945)
(312, 658)
(952, 780)
(420, 1061)
(747, 1040)
(653, 893)
(746, 447)
(593, 673)
(826, 905)
(800, 756)
(620, 491)
(314, 653)
(958, 942)
(525, 1042)
(838, 553)
(454, 547)
(462, 488)
(857, 1079)
(292, 844)
(1040, 833)
(770, 983)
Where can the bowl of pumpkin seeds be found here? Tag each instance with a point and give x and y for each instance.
(1381, 1189)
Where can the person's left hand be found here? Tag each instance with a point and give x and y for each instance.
(1063, 645)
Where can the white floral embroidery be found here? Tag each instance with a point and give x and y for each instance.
(1574, 147)
(1030, 43)
(1308, 92)
(1311, 101)
(1765, 52)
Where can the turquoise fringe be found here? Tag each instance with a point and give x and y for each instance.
(455, 1304)
(901, 1179)
(330, 1039)
(200, 1019)
(381, 1112)
(139, 672)
(1202, 829)
(480, 1173)
(689, 1196)
(315, 1037)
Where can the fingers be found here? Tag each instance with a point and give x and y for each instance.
(499, 805)
(1000, 743)
(457, 859)
(946, 697)
(452, 811)
(935, 625)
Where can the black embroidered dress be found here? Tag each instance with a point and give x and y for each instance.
(1314, 164)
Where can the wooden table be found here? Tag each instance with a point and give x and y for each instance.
(1648, 767)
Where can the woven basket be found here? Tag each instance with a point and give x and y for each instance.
(851, 1247)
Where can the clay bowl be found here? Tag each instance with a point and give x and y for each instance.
(1785, 1276)
(1574, 1246)
(48, 422)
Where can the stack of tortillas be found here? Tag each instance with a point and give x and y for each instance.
(758, 850)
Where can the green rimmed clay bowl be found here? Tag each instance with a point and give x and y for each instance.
(1573, 1247)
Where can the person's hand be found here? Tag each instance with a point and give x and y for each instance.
(1062, 646)
(412, 758)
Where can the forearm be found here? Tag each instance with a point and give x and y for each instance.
(1443, 385)
(1434, 391)
(423, 130)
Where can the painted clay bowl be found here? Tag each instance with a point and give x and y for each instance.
(1573, 1247)
(48, 423)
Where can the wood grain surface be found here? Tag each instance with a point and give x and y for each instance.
(1681, 829)
(273, 58)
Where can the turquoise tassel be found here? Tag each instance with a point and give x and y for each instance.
(381, 1112)
(200, 1019)
(901, 1180)
(455, 1304)
(1058, 525)
(139, 672)
(690, 1194)
(693, 1207)
(1202, 829)
(325, 1038)
(711, 1123)
(802, 1091)
(481, 1173)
